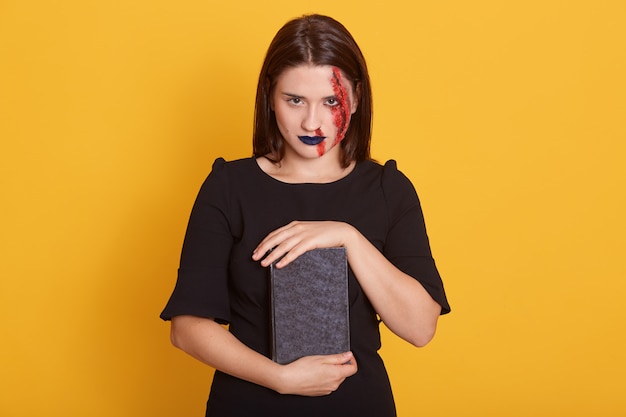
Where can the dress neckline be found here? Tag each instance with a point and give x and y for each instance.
(271, 178)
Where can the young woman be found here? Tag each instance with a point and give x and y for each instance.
(311, 184)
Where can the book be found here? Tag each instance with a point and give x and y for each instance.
(309, 306)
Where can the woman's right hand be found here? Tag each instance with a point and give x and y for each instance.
(211, 343)
(314, 376)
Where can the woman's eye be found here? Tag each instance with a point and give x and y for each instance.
(332, 102)
(295, 100)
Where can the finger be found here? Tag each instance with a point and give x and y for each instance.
(264, 250)
(291, 254)
(346, 364)
(287, 251)
(280, 252)
(341, 359)
(271, 241)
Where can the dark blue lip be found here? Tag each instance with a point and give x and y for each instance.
(311, 140)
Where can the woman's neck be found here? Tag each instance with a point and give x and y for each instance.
(295, 170)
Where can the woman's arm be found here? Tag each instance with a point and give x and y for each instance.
(209, 342)
(399, 299)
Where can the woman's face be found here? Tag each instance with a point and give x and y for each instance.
(313, 106)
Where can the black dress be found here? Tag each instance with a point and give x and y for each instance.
(237, 206)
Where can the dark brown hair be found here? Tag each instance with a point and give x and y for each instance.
(313, 40)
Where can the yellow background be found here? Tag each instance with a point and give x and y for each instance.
(509, 117)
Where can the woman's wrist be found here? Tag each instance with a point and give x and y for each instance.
(350, 236)
(279, 381)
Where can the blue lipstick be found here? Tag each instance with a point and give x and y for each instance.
(311, 140)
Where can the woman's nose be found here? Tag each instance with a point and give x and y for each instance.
(312, 121)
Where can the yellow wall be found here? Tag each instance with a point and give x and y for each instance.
(508, 116)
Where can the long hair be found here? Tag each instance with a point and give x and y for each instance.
(313, 40)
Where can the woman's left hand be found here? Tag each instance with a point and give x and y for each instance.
(399, 299)
(298, 237)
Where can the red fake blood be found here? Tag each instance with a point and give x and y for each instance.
(321, 147)
(341, 112)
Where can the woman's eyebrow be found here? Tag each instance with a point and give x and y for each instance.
(333, 96)
(292, 95)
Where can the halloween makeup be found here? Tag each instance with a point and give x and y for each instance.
(313, 107)
(313, 140)
(341, 115)
(341, 112)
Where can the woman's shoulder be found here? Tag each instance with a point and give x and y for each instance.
(236, 164)
(388, 172)
(395, 184)
(225, 173)
(221, 168)
(389, 166)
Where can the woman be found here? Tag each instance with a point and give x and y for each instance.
(311, 184)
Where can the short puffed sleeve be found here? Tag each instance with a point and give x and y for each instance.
(407, 245)
(202, 285)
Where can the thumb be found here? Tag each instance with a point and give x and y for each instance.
(345, 358)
